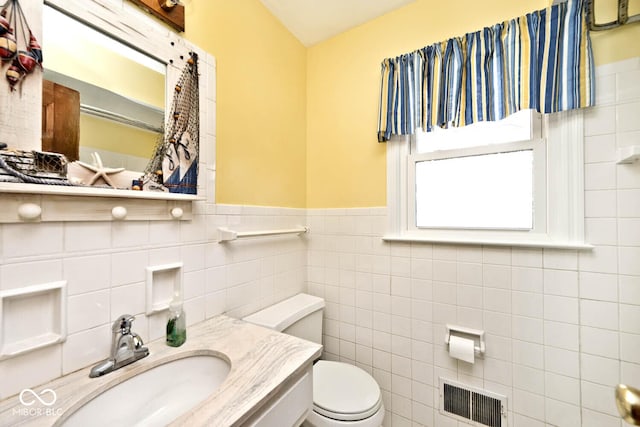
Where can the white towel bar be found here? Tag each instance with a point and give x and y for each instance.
(226, 235)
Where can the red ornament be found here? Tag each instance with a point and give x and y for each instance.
(24, 59)
(35, 48)
(8, 45)
(27, 61)
(4, 25)
(14, 74)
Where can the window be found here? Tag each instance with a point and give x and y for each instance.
(515, 182)
(472, 192)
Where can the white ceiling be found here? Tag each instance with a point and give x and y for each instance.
(313, 21)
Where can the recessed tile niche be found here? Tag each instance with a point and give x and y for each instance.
(163, 281)
(32, 318)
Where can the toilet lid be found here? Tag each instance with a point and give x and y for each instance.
(344, 392)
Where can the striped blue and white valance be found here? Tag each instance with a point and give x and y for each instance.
(541, 61)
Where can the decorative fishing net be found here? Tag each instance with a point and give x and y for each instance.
(174, 164)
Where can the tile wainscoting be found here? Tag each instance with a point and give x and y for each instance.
(105, 265)
(563, 326)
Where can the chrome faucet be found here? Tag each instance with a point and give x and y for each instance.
(126, 347)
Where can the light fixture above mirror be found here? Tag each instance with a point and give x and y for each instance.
(169, 11)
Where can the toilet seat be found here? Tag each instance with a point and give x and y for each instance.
(344, 392)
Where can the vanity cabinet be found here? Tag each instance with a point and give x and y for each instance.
(289, 407)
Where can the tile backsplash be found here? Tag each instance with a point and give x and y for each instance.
(105, 265)
(562, 326)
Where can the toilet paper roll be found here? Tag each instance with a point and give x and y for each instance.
(461, 348)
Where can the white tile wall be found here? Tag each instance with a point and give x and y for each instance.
(562, 326)
(104, 265)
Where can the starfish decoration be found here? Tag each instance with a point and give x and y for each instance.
(100, 170)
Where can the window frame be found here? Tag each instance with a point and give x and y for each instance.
(538, 148)
(563, 214)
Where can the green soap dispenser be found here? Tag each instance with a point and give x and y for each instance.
(177, 324)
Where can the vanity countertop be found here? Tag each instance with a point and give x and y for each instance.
(261, 361)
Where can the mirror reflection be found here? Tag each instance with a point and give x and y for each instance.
(99, 95)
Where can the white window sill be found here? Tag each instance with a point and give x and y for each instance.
(543, 242)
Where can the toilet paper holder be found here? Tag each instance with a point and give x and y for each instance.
(474, 334)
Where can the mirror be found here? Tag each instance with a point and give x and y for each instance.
(79, 191)
(99, 95)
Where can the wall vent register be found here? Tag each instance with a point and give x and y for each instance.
(466, 403)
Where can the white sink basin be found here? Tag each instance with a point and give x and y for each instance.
(154, 397)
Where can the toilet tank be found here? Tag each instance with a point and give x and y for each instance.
(300, 316)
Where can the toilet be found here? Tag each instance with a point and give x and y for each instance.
(343, 394)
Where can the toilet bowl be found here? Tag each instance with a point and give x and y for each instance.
(343, 394)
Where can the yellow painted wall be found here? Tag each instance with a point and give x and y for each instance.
(116, 137)
(117, 73)
(295, 126)
(346, 167)
(261, 102)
